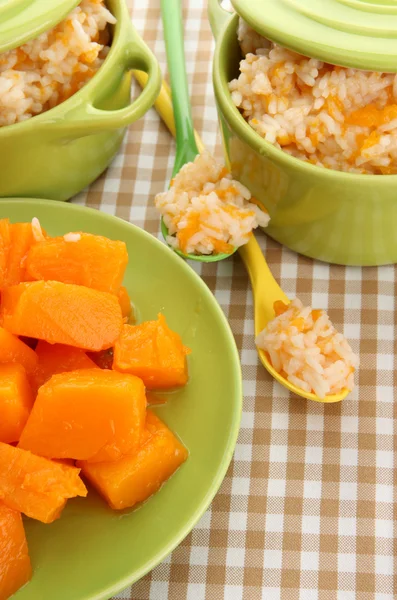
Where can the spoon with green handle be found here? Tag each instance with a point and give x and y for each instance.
(177, 117)
(186, 146)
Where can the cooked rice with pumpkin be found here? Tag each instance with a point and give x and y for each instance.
(206, 211)
(49, 69)
(306, 349)
(333, 117)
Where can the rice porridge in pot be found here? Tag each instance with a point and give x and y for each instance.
(333, 117)
(49, 69)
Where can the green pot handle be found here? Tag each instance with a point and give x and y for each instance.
(89, 119)
(218, 17)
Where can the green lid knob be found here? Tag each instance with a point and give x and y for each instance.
(351, 33)
(23, 20)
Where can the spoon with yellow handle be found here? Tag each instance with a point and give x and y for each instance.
(265, 288)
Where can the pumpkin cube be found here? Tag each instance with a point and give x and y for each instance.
(63, 314)
(136, 476)
(36, 486)
(5, 243)
(80, 258)
(13, 350)
(125, 303)
(15, 567)
(16, 401)
(21, 240)
(152, 352)
(90, 414)
(58, 358)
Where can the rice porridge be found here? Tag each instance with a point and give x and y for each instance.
(206, 211)
(305, 348)
(49, 69)
(333, 117)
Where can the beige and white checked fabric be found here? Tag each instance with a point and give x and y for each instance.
(308, 508)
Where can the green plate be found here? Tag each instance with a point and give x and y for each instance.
(92, 552)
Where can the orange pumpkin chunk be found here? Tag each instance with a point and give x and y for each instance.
(125, 302)
(135, 477)
(5, 242)
(36, 486)
(21, 240)
(62, 313)
(15, 567)
(58, 358)
(152, 352)
(91, 414)
(80, 258)
(13, 350)
(367, 116)
(279, 307)
(16, 401)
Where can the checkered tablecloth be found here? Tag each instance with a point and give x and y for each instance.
(307, 510)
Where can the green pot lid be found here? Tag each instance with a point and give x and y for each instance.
(351, 33)
(23, 20)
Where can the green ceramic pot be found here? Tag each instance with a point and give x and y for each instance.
(58, 153)
(332, 216)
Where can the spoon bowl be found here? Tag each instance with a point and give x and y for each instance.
(266, 292)
(206, 258)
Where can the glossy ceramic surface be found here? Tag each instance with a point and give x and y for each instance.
(352, 33)
(92, 552)
(23, 20)
(58, 153)
(336, 217)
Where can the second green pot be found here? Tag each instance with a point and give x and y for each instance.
(329, 215)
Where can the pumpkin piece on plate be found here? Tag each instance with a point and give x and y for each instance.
(125, 303)
(80, 258)
(152, 352)
(15, 241)
(15, 567)
(62, 313)
(36, 486)
(5, 242)
(58, 358)
(135, 477)
(90, 414)
(21, 241)
(16, 401)
(13, 350)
